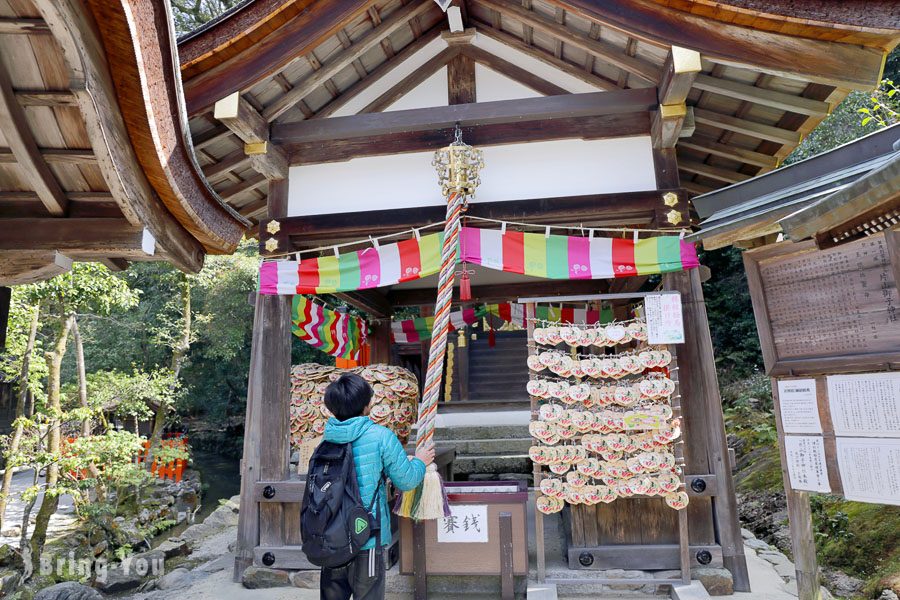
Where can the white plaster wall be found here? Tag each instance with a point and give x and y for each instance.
(431, 92)
(491, 85)
(513, 172)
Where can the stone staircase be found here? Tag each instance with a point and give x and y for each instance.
(489, 452)
(497, 374)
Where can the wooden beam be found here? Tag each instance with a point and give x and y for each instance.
(678, 75)
(665, 127)
(461, 80)
(55, 155)
(600, 127)
(19, 267)
(743, 126)
(503, 292)
(46, 97)
(23, 26)
(251, 183)
(603, 50)
(696, 188)
(743, 155)
(622, 208)
(763, 96)
(235, 160)
(115, 264)
(519, 111)
(841, 65)
(412, 80)
(546, 57)
(210, 137)
(242, 119)
(87, 237)
(377, 74)
(514, 72)
(245, 122)
(21, 141)
(311, 26)
(371, 302)
(712, 171)
(344, 58)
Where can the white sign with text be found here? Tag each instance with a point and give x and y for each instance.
(467, 523)
(665, 324)
(798, 406)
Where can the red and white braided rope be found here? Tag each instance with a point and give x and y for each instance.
(432, 389)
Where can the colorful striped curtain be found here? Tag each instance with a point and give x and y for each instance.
(535, 254)
(418, 329)
(336, 333)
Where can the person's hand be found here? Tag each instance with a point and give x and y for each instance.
(426, 455)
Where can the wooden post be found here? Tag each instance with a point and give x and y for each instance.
(267, 418)
(803, 541)
(538, 473)
(380, 340)
(462, 362)
(507, 588)
(698, 366)
(420, 562)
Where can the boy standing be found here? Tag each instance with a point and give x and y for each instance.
(377, 453)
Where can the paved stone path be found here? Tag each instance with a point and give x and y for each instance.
(62, 521)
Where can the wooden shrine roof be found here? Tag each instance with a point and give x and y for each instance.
(836, 196)
(770, 70)
(94, 158)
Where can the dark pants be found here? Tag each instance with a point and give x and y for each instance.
(353, 579)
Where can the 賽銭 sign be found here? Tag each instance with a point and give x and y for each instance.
(467, 523)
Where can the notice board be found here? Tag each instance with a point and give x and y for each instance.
(833, 310)
(840, 434)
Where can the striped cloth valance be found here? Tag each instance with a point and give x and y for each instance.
(535, 254)
(418, 329)
(336, 333)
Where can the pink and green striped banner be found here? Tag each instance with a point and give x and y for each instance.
(418, 329)
(534, 254)
(336, 333)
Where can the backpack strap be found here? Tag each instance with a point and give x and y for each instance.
(376, 552)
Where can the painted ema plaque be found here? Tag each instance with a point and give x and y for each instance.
(821, 311)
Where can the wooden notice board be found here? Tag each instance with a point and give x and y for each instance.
(827, 311)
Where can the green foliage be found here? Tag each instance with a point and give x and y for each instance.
(86, 288)
(730, 312)
(191, 14)
(131, 395)
(20, 315)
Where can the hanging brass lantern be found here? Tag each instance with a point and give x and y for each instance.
(458, 167)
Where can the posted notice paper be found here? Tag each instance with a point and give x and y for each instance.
(799, 409)
(806, 463)
(665, 324)
(866, 405)
(870, 469)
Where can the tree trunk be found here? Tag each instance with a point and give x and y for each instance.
(51, 502)
(82, 378)
(179, 352)
(20, 412)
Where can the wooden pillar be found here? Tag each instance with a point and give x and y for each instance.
(380, 341)
(697, 367)
(267, 419)
(462, 362)
(803, 542)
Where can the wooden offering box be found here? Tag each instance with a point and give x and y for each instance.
(453, 552)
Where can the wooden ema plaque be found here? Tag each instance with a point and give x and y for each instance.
(826, 311)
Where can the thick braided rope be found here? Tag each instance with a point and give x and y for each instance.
(432, 389)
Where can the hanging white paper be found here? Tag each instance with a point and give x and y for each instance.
(665, 324)
(806, 464)
(467, 523)
(870, 469)
(798, 406)
(865, 405)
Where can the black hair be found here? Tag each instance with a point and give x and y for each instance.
(348, 396)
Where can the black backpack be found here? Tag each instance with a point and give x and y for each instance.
(334, 524)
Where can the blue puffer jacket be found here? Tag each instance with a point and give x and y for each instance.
(376, 450)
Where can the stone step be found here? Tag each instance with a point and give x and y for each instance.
(492, 463)
(450, 587)
(482, 433)
(487, 446)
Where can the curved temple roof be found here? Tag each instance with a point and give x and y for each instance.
(770, 70)
(96, 161)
